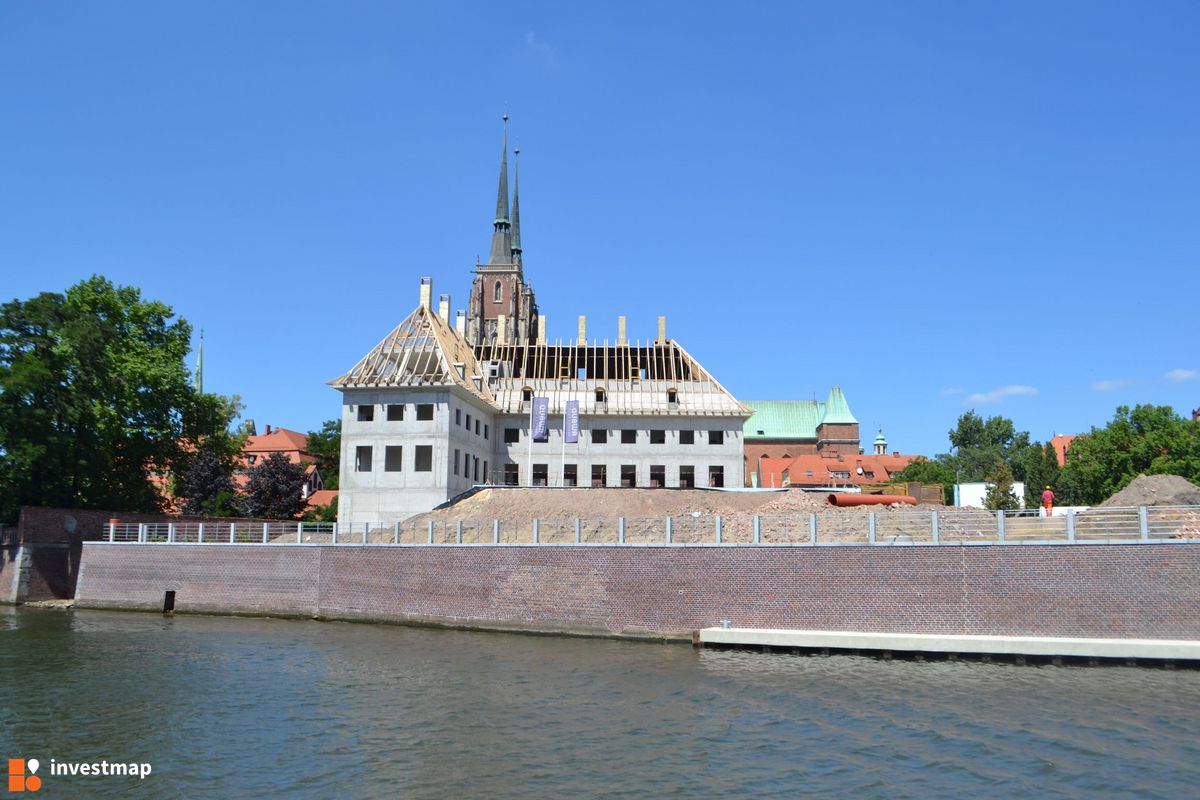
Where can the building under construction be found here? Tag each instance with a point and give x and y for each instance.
(437, 407)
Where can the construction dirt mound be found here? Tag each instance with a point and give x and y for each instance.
(1155, 490)
(545, 504)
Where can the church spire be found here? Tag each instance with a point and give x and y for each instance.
(516, 210)
(501, 244)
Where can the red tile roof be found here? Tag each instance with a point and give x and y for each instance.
(1061, 445)
(819, 470)
(322, 497)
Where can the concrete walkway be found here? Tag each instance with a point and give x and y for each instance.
(1045, 646)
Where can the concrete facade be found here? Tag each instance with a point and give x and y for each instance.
(1104, 591)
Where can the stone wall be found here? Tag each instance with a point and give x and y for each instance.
(1123, 591)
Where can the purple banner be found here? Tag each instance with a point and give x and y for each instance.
(571, 423)
(539, 419)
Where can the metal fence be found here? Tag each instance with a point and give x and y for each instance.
(893, 527)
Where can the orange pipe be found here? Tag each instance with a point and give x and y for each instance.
(843, 500)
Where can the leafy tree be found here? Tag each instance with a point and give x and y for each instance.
(925, 471)
(1041, 470)
(1000, 488)
(207, 486)
(980, 442)
(325, 446)
(1147, 439)
(95, 399)
(273, 488)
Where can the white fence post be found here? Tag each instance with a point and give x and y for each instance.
(171, 532)
(1000, 525)
(142, 532)
(871, 527)
(300, 532)
(536, 533)
(366, 531)
(578, 536)
(1070, 525)
(757, 529)
(396, 533)
(669, 530)
(112, 531)
(1144, 523)
(200, 534)
(620, 530)
(429, 533)
(335, 532)
(496, 529)
(232, 532)
(719, 530)
(812, 528)
(936, 533)
(458, 532)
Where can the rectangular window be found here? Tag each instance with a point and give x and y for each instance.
(425, 411)
(599, 436)
(540, 474)
(457, 416)
(468, 423)
(366, 413)
(395, 412)
(628, 436)
(485, 431)
(687, 477)
(362, 458)
(629, 475)
(687, 437)
(476, 427)
(599, 475)
(570, 475)
(716, 476)
(512, 435)
(658, 475)
(658, 437)
(511, 476)
(424, 460)
(486, 479)
(393, 458)
(455, 472)
(475, 469)
(716, 437)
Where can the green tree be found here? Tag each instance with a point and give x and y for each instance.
(95, 399)
(273, 488)
(925, 471)
(1000, 488)
(1147, 439)
(1041, 470)
(979, 442)
(325, 446)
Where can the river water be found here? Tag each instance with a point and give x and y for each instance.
(225, 707)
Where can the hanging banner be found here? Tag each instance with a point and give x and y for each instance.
(539, 419)
(571, 423)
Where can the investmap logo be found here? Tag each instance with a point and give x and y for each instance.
(23, 772)
(22, 775)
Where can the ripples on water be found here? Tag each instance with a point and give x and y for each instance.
(264, 708)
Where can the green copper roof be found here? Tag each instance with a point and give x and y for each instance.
(795, 419)
(837, 410)
(782, 419)
(879, 439)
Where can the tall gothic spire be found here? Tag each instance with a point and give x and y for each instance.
(501, 244)
(516, 210)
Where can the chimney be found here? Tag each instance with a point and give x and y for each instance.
(662, 329)
(501, 329)
(460, 323)
(541, 330)
(582, 331)
(621, 331)
(426, 292)
(444, 306)
(268, 430)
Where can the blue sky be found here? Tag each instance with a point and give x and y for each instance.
(936, 206)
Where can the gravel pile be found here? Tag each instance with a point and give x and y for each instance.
(1156, 490)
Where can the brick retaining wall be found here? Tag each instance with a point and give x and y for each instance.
(1122, 591)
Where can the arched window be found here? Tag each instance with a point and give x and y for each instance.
(499, 292)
